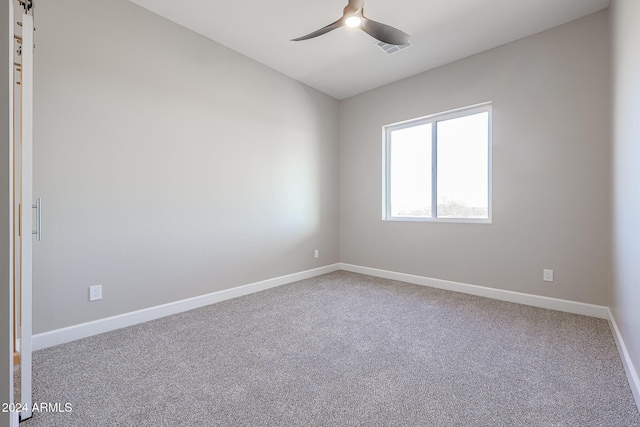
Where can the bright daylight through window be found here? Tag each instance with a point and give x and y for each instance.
(438, 168)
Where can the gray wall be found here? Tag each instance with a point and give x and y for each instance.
(551, 171)
(6, 349)
(168, 165)
(625, 286)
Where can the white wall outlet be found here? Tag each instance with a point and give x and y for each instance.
(547, 275)
(316, 253)
(95, 292)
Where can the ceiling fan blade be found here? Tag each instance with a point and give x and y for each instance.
(339, 23)
(384, 33)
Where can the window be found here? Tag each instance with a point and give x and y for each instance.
(438, 168)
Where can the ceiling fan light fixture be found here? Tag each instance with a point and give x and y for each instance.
(353, 16)
(353, 21)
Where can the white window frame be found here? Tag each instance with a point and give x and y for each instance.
(433, 119)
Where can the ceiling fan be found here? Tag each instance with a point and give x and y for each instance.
(353, 16)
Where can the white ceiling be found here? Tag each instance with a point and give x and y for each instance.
(346, 62)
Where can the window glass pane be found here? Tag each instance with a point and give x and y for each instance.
(463, 167)
(410, 171)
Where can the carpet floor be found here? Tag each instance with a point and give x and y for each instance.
(342, 349)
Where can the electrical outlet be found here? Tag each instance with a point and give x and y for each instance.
(316, 253)
(547, 275)
(95, 292)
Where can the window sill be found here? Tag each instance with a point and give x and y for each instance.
(441, 220)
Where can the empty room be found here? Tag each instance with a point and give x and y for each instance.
(320, 213)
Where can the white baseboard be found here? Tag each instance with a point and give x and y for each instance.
(632, 373)
(83, 330)
(591, 310)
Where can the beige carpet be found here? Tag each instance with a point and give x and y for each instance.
(343, 350)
